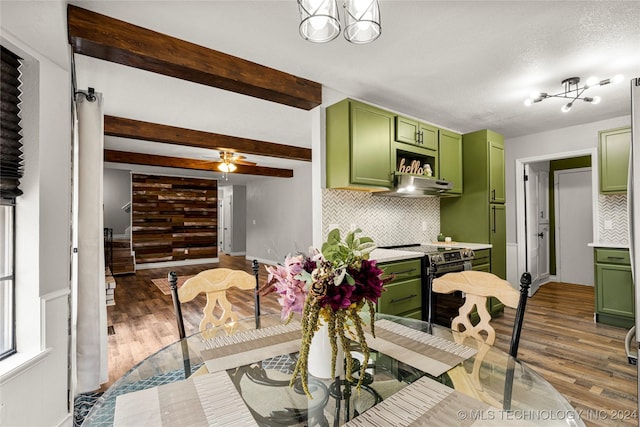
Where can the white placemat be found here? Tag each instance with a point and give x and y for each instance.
(205, 400)
(431, 354)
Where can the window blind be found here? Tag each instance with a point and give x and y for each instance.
(11, 167)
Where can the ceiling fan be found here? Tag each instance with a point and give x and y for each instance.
(228, 161)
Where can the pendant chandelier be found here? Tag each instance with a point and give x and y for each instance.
(573, 91)
(320, 20)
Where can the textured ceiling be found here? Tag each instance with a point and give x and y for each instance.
(460, 65)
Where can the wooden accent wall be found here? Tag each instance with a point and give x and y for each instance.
(174, 218)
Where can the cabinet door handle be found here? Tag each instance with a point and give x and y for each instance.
(493, 194)
(493, 229)
(417, 137)
(393, 301)
(410, 270)
(615, 257)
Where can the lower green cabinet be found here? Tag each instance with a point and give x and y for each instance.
(403, 295)
(615, 296)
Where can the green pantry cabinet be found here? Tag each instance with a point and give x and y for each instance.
(403, 295)
(615, 296)
(479, 215)
(363, 144)
(614, 159)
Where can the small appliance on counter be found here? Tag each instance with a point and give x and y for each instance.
(439, 308)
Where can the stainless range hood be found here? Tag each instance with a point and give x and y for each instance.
(416, 186)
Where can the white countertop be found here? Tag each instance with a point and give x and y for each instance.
(609, 245)
(388, 255)
(463, 245)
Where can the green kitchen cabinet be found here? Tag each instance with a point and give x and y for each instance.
(498, 239)
(613, 148)
(358, 144)
(478, 215)
(496, 169)
(615, 295)
(403, 295)
(450, 159)
(413, 132)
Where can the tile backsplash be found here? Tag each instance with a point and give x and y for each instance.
(613, 208)
(387, 220)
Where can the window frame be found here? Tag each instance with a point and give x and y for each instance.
(10, 328)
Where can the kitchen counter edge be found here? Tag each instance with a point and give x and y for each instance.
(389, 255)
(462, 245)
(609, 245)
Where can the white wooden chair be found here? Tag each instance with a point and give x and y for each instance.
(478, 286)
(214, 283)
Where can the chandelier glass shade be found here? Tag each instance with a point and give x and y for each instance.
(362, 21)
(320, 20)
(573, 91)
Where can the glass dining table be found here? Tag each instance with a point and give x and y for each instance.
(417, 374)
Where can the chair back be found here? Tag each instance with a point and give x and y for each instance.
(214, 283)
(478, 286)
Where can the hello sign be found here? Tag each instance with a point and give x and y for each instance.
(413, 166)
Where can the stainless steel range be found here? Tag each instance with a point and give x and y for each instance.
(439, 308)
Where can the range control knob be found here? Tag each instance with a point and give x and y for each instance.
(467, 253)
(436, 258)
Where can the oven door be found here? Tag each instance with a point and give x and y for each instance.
(442, 308)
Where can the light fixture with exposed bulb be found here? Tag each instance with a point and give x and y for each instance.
(573, 91)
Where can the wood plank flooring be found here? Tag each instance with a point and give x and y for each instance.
(583, 360)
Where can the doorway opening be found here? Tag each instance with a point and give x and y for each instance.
(537, 220)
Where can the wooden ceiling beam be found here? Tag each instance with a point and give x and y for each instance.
(135, 129)
(179, 162)
(103, 37)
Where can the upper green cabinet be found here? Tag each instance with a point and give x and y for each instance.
(413, 132)
(614, 159)
(496, 168)
(359, 146)
(450, 159)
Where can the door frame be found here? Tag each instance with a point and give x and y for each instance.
(557, 214)
(521, 231)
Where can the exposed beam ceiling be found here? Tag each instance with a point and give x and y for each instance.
(103, 37)
(178, 162)
(135, 129)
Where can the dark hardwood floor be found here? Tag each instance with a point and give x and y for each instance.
(585, 361)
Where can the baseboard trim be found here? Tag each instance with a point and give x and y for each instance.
(176, 263)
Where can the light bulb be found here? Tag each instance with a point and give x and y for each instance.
(410, 188)
(318, 22)
(528, 102)
(566, 108)
(223, 167)
(596, 100)
(592, 81)
(617, 78)
(232, 167)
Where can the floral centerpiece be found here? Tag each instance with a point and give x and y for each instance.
(330, 286)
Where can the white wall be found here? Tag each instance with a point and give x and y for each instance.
(281, 209)
(554, 142)
(33, 383)
(117, 193)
